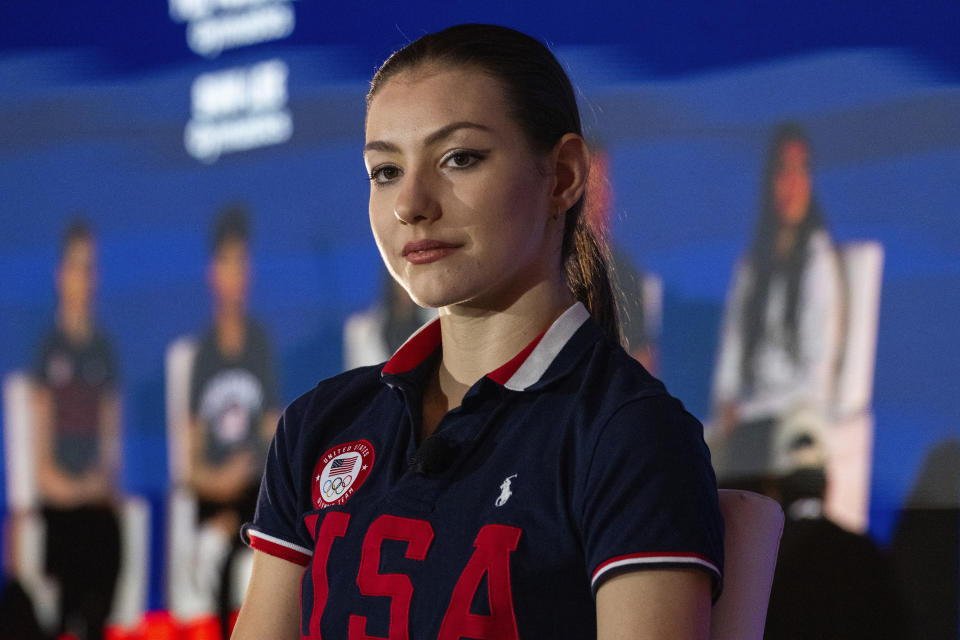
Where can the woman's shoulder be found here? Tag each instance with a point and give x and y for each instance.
(820, 242)
(616, 380)
(742, 270)
(636, 390)
(633, 416)
(337, 394)
(257, 335)
(822, 263)
(342, 386)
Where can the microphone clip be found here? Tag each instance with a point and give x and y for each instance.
(434, 456)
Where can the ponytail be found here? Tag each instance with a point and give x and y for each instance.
(587, 263)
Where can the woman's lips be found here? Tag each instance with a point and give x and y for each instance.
(426, 251)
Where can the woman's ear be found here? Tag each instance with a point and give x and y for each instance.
(571, 166)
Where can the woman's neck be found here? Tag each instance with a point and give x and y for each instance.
(231, 332)
(478, 341)
(786, 239)
(75, 322)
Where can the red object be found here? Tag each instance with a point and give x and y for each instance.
(233, 621)
(120, 633)
(206, 628)
(158, 625)
(161, 625)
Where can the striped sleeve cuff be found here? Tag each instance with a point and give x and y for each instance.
(276, 547)
(655, 560)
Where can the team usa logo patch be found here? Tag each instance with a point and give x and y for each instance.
(340, 472)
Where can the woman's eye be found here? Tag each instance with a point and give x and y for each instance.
(462, 159)
(384, 174)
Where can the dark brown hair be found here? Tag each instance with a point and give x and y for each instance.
(543, 103)
(77, 230)
(232, 223)
(762, 255)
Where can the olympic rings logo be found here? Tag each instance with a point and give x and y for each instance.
(336, 486)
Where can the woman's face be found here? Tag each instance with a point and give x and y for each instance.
(77, 277)
(229, 273)
(791, 183)
(459, 204)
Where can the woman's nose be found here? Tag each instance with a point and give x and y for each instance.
(416, 200)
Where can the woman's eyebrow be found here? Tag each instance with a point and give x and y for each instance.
(433, 138)
(444, 132)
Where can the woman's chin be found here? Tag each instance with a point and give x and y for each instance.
(432, 299)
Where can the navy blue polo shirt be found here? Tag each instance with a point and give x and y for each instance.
(565, 466)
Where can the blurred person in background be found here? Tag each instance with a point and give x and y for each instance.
(77, 412)
(829, 582)
(926, 544)
(782, 322)
(18, 620)
(373, 335)
(234, 410)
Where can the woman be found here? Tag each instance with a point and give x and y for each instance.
(77, 436)
(782, 323)
(508, 469)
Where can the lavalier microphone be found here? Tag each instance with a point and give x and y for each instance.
(435, 455)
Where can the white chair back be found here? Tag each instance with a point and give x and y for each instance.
(25, 527)
(753, 525)
(652, 291)
(862, 265)
(179, 364)
(182, 600)
(850, 432)
(18, 434)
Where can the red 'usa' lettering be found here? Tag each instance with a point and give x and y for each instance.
(492, 557)
(334, 526)
(418, 534)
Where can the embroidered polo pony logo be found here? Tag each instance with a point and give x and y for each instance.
(505, 492)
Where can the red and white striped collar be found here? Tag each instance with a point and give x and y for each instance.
(521, 372)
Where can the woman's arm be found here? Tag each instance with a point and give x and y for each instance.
(268, 425)
(100, 483)
(271, 608)
(820, 322)
(219, 483)
(728, 373)
(655, 604)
